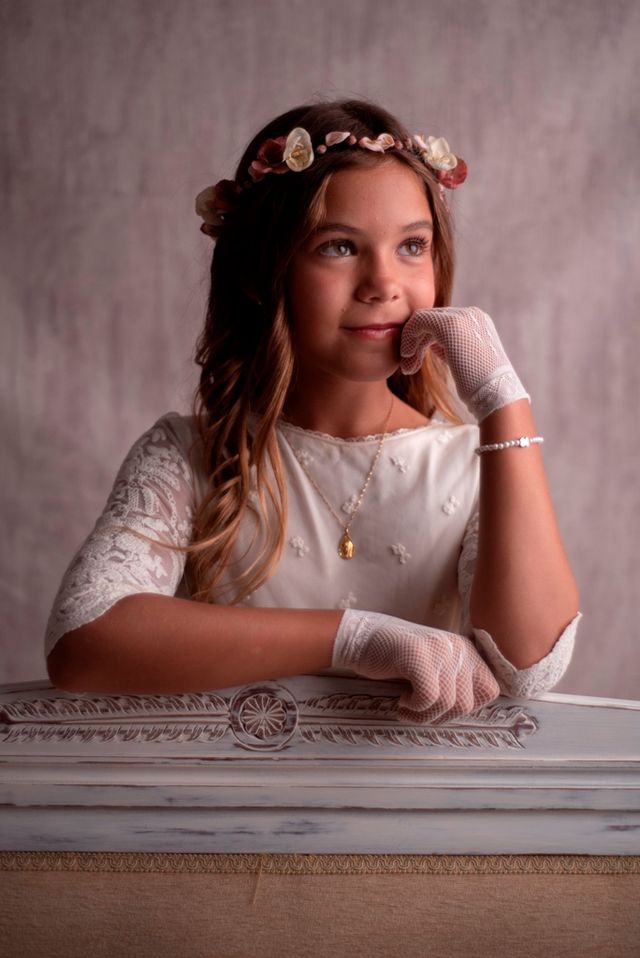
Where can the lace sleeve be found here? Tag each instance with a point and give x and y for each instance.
(522, 683)
(152, 494)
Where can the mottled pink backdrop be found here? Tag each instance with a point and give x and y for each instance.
(115, 114)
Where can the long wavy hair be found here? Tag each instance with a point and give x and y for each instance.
(245, 348)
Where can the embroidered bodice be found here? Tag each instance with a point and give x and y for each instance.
(415, 533)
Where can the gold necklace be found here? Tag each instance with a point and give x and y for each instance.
(346, 545)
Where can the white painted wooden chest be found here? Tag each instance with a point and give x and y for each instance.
(315, 764)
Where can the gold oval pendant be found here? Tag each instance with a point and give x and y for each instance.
(346, 548)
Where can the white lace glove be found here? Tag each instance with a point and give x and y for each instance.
(467, 340)
(448, 677)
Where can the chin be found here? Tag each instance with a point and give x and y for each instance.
(379, 373)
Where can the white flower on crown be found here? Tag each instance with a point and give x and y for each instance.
(298, 151)
(437, 152)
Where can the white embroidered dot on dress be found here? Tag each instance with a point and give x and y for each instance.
(400, 552)
(401, 464)
(349, 507)
(303, 457)
(450, 505)
(299, 546)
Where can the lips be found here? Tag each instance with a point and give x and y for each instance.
(376, 331)
(376, 327)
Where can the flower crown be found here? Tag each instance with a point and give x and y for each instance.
(294, 153)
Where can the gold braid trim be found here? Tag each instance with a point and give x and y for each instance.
(291, 864)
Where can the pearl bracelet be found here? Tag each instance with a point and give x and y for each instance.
(523, 442)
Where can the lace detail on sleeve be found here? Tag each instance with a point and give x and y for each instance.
(539, 677)
(521, 683)
(152, 494)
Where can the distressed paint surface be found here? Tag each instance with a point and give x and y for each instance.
(569, 784)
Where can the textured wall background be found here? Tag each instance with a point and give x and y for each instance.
(114, 115)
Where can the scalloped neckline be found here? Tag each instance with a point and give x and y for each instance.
(402, 431)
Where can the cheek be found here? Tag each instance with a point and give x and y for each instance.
(423, 290)
(305, 284)
(432, 283)
(431, 288)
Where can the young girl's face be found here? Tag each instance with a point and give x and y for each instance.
(362, 273)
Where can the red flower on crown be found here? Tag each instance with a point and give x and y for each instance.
(453, 178)
(269, 159)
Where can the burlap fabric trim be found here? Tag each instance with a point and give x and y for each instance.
(289, 864)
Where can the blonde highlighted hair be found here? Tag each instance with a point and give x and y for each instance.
(245, 349)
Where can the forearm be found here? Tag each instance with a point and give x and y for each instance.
(524, 592)
(157, 643)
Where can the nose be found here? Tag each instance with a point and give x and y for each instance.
(377, 282)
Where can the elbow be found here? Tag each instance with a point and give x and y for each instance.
(533, 679)
(78, 661)
(67, 663)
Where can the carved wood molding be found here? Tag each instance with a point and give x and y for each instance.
(263, 717)
(313, 765)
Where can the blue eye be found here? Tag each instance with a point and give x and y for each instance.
(418, 244)
(339, 248)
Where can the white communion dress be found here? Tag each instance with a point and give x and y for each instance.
(415, 534)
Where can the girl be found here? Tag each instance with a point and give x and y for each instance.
(324, 509)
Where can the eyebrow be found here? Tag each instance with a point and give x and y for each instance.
(344, 228)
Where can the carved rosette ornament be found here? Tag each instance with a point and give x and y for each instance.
(262, 717)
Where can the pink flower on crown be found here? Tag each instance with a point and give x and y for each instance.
(381, 143)
(338, 136)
